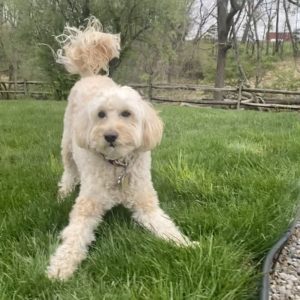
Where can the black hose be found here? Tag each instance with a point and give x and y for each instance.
(270, 260)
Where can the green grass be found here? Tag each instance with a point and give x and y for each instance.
(229, 179)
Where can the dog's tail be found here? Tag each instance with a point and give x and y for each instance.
(86, 51)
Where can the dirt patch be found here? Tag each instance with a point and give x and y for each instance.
(285, 75)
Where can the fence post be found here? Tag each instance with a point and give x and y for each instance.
(150, 87)
(25, 88)
(239, 95)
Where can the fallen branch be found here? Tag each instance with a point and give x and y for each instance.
(282, 101)
(270, 91)
(247, 101)
(265, 105)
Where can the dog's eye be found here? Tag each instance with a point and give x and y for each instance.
(125, 113)
(101, 114)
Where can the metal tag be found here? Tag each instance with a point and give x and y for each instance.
(123, 181)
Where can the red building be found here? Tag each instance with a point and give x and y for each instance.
(282, 36)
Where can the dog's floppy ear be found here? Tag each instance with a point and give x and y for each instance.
(152, 128)
(152, 125)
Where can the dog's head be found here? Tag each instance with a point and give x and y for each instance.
(116, 122)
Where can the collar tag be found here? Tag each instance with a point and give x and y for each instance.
(123, 181)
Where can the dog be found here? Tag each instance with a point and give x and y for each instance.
(109, 131)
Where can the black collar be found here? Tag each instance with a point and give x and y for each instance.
(117, 162)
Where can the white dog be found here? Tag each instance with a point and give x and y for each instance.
(108, 134)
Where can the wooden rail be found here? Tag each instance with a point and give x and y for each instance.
(242, 96)
(239, 97)
(22, 87)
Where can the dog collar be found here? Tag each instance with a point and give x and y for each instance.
(118, 162)
(123, 179)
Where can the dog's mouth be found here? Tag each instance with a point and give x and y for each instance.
(111, 148)
(111, 152)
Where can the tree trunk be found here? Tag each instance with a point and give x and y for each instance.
(222, 47)
(294, 44)
(242, 74)
(220, 72)
(225, 21)
(246, 31)
(258, 72)
(267, 37)
(86, 9)
(277, 27)
(169, 70)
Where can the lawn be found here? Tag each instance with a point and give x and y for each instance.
(228, 178)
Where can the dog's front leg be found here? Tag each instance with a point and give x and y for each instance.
(70, 176)
(76, 237)
(146, 212)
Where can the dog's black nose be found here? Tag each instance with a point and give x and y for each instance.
(111, 137)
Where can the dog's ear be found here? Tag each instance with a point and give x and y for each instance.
(152, 128)
(152, 124)
(81, 125)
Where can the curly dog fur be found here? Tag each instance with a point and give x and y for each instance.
(109, 131)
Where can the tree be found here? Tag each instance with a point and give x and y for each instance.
(38, 21)
(276, 49)
(268, 6)
(135, 19)
(255, 16)
(294, 43)
(251, 9)
(225, 20)
(295, 2)
(200, 14)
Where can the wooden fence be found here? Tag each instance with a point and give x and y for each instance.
(235, 97)
(198, 95)
(24, 88)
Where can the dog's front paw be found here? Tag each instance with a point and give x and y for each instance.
(66, 186)
(63, 193)
(192, 244)
(60, 270)
(63, 263)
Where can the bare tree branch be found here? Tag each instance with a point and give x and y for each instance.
(297, 2)
(294, 44)
(237, 4)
